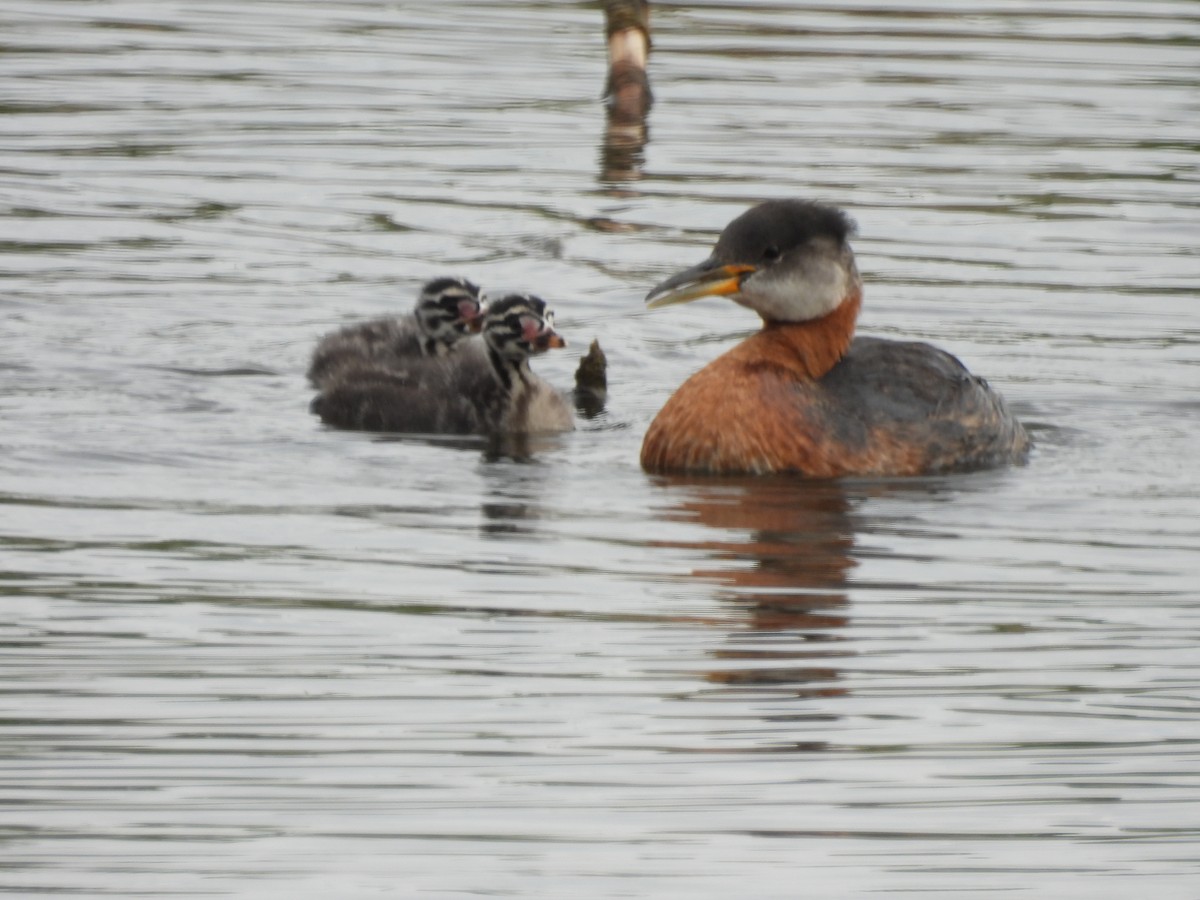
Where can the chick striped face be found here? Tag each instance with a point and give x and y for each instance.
(448, 310)
(518, 326)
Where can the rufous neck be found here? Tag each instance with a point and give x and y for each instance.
(815, 346)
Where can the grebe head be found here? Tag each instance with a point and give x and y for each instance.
(788, 260)
(518, 326)
(448, 310)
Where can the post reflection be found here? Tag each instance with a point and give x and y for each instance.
(627, 91)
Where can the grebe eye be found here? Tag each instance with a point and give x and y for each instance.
(772, 253)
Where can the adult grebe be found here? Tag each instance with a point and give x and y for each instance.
(480, 389)
(803, 395)
(447, 310)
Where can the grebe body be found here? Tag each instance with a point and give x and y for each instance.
(446, 312)
(483, 388)
(803, 395)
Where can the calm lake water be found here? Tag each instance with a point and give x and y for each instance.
(247, 656)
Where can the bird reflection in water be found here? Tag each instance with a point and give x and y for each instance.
(515, 484)
(781, 552)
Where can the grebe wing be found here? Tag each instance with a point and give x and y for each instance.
(919, 403)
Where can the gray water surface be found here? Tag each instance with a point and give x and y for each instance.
(248, 656)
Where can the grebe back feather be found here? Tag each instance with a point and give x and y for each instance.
(447, 310)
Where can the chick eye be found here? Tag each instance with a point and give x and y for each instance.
(771, 253)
